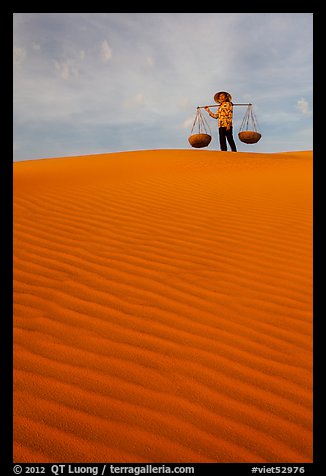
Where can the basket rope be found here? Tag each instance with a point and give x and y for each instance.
(249, 122)
(201, 123)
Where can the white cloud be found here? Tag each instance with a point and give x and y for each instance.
(19, 54)
(106, 51)
(303, 106)
(139, 98)
(66, 69)
(150, 61)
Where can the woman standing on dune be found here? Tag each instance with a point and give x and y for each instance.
(224, 115)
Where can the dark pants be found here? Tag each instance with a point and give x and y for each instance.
(224, 134)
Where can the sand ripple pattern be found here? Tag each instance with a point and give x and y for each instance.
(163, 307)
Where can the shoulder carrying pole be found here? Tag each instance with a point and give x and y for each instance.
(234, 104)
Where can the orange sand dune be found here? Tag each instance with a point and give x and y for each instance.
(163, 307)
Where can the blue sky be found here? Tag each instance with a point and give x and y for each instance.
(91, 83)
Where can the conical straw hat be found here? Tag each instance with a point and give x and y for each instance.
(217, 95)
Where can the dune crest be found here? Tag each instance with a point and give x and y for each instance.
(163, 307)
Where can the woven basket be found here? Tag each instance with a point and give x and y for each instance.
(249, 137)
(199, 140)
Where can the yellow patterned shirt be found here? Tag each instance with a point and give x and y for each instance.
(224, 114)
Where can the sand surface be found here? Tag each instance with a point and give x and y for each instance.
(163, 307)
